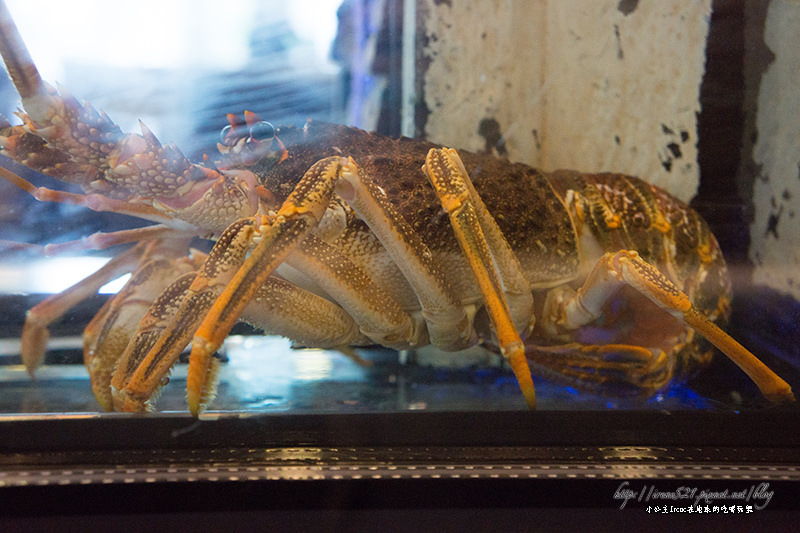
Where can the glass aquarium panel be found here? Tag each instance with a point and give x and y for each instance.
(447, 74)
(405, 303)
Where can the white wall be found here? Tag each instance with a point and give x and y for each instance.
(775, 231)
(591, 86)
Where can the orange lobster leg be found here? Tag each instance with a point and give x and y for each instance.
(447, 322)
(109, 332)
(170, 322)
(298, 215)
(625, 267)
(449, 178)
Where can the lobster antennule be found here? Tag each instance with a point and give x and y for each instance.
(18, 60)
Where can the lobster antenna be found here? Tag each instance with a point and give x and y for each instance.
(18, 60)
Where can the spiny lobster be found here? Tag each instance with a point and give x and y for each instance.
(600, 279)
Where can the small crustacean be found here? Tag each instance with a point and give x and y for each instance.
(599, 279)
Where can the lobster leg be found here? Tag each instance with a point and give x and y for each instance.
(300, 213)
(448, 324)
(94, 201)
(282, 308)
(277, 307)
(377, 314)
(102, 240)
(621, 367)
(150, 328)
(98, 202)
(34, 332)
(447, 321)
(446, 172)
(109, 332)
(168, 325)
(626, 268)
(222, 308)
(516, 289)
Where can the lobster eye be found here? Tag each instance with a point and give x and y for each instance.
(262, 131)
(225, 137)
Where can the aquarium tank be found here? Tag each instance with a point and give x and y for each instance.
(271, 279)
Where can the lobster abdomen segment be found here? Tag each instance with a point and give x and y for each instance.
(626, 213)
